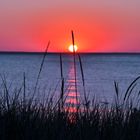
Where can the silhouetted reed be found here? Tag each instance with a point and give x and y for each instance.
(62, 82)
(40, 69)
(74, 61)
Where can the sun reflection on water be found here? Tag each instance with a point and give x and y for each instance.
(73, 96)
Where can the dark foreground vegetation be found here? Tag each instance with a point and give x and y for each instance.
(24, 119)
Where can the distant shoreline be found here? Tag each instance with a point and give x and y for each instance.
(95, 53)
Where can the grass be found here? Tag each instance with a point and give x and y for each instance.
(24, 118)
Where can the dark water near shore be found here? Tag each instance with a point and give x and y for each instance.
(100, 71)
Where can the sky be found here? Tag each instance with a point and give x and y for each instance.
(98, 25)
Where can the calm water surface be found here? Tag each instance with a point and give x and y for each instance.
(100, 72)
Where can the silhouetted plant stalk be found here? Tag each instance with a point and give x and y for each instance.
(125, 100)
(74, 60)
(24, 89)
(6, 92)
(62, 82)
(130, 89)
(41, 66)
(83, 82)
(117, 93)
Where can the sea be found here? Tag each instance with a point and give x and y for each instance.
(96, 75)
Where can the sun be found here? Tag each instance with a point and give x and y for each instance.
(73, 48)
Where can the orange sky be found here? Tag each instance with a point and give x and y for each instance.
(99, 26)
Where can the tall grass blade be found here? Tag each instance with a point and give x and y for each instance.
(41, 66)
(62, 81)
(83, 81)
(130, 91)
(116, 88)
(74, 60)
(61, 66)
(6, 91)
(24, 88)
(81, 68)
(129, 87)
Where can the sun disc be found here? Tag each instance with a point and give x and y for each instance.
(73, 48)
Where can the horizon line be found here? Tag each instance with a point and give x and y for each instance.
(35, 52)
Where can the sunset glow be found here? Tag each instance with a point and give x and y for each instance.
(99, 26)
